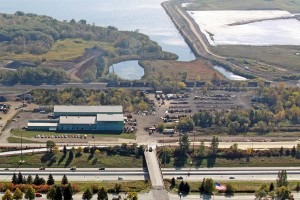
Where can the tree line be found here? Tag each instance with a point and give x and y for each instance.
(35, 76)
(212, 152)
(131, 100)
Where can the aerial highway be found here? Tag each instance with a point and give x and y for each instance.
(94, 174)
(241, 145)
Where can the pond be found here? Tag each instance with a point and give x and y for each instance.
(229, 74)
(128, 70)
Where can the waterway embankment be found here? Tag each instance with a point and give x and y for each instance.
(197, 41)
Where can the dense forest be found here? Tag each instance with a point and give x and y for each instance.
(131, 100)
(37, 39)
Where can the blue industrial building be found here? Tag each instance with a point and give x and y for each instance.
(82, 119)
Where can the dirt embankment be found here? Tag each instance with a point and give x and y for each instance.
(76, 68)
(197, 40)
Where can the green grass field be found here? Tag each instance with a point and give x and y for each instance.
(62, 50)
(34, 160)
(254, 162)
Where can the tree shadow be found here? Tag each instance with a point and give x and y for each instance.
(77, 155)
(211, 161)
(207, 196)
(46, 157)
(52, 161)
(90, 157)
(198, 162)
(68, 162)
(61, 159)
(94, 161)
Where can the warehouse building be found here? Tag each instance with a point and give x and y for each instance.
(82, 119)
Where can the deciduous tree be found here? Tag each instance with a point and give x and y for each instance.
(282, 179)
(18, 194)
(30, 193)
(7, 195)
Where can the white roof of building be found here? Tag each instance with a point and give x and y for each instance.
(110, 117)
(96, 109)
(41, 124)
(77, 120)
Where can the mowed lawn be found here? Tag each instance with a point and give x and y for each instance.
(34, 160)
(285, 161)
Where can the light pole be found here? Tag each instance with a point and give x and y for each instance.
(21, 161)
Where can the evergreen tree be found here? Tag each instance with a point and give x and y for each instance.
(30, 193)
(102, 194)
(18, 195)
(202, 188)
(65, 150)
(68, 192)
(282, 179)
(214, 145)
(298, 187)
(281, 151)
(20, 178)
(8, 195)
(293, 151)
(36, 180)
(42, 181)
(173, 182)
(181, 187)
(50, 180)
(58, 193)
(14, 179)
(186, 188)
(87, 195)
(271, 188)
(29, 179)
(64, 180)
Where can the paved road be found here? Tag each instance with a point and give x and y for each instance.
(154, 169)
(94, 174)
(155, 174)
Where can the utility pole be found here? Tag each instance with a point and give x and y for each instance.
(21, 161)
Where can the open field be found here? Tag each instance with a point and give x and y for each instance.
(254, 162)
(62, 50)
(83, 161)
(173, 69)
(291, 6)
(282, 56)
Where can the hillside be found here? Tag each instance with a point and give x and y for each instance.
(40, 41)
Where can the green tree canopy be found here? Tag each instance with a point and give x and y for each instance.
(102, 194)
(7, 195)
(18, 195)
(30, 193)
